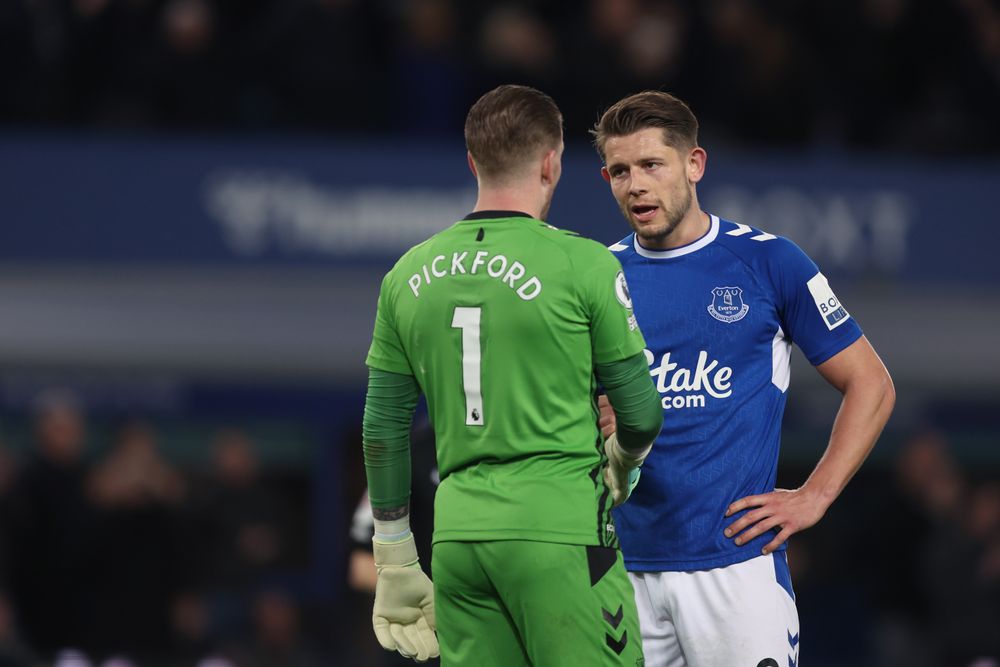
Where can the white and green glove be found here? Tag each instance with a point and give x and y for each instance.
(404, 601)
(622, 472)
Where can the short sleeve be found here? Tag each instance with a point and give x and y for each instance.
(811, 314)
(615, 334)
(386, 352)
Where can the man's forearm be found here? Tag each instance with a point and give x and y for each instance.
(391, 513)
(630, 390)
(865, 409)
(389, 406)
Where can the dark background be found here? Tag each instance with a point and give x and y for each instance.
(198, 199)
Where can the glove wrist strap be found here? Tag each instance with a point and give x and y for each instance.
(626, 458)
(402, 553)
(395, 530)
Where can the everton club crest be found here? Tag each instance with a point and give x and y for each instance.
(727, 304)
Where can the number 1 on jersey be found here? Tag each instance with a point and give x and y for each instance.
(467, 319)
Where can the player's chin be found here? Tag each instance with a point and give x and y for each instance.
(652, 230)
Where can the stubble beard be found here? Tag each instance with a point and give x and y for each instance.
(657, 235)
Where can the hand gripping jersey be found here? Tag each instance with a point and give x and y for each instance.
(501, 318)
(719, 317)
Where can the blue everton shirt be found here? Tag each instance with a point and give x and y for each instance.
(719, 317)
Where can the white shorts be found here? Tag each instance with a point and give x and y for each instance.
(741, 615)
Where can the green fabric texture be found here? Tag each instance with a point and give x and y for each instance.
(385, 429)
(511, 603)
(501, 321)
(638, 412)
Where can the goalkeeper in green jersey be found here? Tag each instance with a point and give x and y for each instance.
(507, 325)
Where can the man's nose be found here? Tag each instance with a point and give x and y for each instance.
(637, 184)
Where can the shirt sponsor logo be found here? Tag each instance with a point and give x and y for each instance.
(727, 304)
(826, 302)
(686, 387)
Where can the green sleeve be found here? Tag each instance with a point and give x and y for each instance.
(389, 407)
(630, 390)
(615, 334)
(386, 351)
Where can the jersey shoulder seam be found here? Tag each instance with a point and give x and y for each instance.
(726, 244)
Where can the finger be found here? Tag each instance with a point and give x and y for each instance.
(756, 530)
(429, 614)
(416, 638)
(747, 519)
(748, 501)
(778, 540)
(382, 633)
(603, 401)
(403, 643)
(428, 638)
(618, 495)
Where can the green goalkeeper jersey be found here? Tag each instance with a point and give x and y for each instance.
(500, 319)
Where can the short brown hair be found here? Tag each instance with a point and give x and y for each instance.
(507, 126)
(650, 108)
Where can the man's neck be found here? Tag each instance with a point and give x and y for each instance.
(508, 199)
(695, 224)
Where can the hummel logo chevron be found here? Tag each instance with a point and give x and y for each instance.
(793, 641)
(617, 645)
(616, 620)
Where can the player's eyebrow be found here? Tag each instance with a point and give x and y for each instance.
(621, 164)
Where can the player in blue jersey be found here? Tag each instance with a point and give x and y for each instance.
(720, 304)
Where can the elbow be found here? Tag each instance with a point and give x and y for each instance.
(656, 425)
(641, 431)
(888, 393)
(652, 422)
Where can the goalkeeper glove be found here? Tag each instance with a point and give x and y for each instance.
(403, 617)
(622, 472)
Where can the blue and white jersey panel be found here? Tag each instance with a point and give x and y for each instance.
(719, 317)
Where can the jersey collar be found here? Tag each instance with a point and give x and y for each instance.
(709, 236)
(495, 215)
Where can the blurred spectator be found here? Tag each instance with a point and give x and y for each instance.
(236, 536)
(760, 76)
(429, 69)
(517, 45)
(52, 525)
(13, 651)
(962, 580)
(278, 640)
(924, 491)
(194, 88)
(136, 495)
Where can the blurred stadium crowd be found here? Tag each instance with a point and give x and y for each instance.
(115, 554)
(111, 550)
(908, 75)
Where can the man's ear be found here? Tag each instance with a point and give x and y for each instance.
(696, 161)
(549, 174)
(606, 175)
(472, 164)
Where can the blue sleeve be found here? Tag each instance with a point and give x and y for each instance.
(810, 313)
